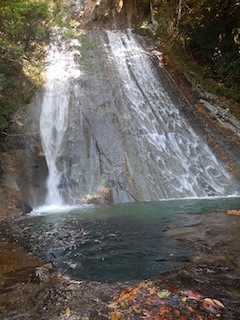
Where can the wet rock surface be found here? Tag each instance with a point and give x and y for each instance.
(31, 289)
(115, 135)
(37, 292)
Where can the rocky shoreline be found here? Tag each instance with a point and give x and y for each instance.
(32, 289)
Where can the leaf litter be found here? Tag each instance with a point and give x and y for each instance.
(147, 301)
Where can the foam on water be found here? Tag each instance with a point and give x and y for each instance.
(56, 209)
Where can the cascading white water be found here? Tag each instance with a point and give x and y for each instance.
(115, 126)
(61, 70)
(167, 143)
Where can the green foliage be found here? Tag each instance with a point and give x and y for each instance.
(62, 13)
(24, 29)
(85, 49)
(209, 32)
(68, 33)
(23, 23)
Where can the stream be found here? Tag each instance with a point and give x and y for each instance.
(120, 242)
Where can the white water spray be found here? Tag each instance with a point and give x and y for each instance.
(119, 127)
(185, 165)
(61, 70)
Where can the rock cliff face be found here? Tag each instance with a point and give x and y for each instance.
(23, 162)
(131, 135)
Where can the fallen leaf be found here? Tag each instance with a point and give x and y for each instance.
(127, 293)
(125, 296)
(172, 289)
(122, 304)
(190, 308)
(199, 317)
(210, 302)
(119, 5)
(152, 290)
(234, 212)
(113, 304)
(163, 294)
(68, 311)
(124, 291)
(147, 314)
(219, 303)
(149, 302)
(176, 312)
(156, 301)
(141, 285)
(191, 295)
(165, 309)
(115, 316)
(130, 300)
(136, 309)
(209, 307)
(194, 295)
(149, 283)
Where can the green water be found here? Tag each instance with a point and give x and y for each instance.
(117, 242)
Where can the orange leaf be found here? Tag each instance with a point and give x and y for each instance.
(141, 285)
(184, 318)
(153, 290)
(125, 291)
(125, 296)
(177, 312)
(149, 302)
(191, 295)
(131, 291)
(199, 317)
(115, 316)
(190, 308)
(130, 300)
(165, 309)
(172, 289)
(234, 212)
(186, 292)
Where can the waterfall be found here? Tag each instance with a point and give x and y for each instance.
(114, 131)
(60, 71)
(178, 162)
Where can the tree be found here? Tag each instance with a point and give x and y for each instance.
(209, 32)
(24, 23)
(24, 28)
(213, 38)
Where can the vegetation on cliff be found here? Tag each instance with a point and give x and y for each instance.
(24, 30)
(204, 35)
(207, 33)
